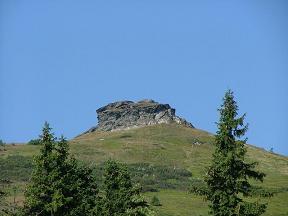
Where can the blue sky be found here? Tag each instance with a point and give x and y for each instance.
(61, 60)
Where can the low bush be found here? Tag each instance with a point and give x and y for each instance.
(16, 168)
(34, 142)
(155, 177)
(155, 201)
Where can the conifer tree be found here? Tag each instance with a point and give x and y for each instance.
(121, 197)
(59, 185)
(227, 177)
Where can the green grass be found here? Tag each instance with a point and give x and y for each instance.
(165, 146)
(178, 203)
(182, 203)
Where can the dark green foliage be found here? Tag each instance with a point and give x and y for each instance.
(262, 192)
(154, 177)
(155, 201)
(121, 197)
(59, 184)
(34, 142)
(198, 187)
(16, 167)
(227, 177)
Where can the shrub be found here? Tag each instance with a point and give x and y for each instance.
(34, 142)
(154, 177)
(155, 201)
(16, 167)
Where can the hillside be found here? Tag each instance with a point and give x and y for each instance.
(158, 148)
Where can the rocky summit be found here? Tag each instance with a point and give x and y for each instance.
(128, 114)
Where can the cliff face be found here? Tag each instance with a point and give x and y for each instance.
(128, 114)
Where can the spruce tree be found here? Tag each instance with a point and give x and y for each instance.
(59, 185)
(121, 197)
(227, 177)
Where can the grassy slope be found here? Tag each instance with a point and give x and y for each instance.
(176, 146)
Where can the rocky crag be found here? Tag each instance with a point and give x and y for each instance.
(128, 114)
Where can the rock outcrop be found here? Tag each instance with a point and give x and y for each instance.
(128, 114)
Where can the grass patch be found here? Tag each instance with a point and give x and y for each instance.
(152, 153)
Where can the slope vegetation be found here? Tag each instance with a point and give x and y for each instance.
(164, 158)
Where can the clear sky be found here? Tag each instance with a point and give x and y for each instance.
(61, 60)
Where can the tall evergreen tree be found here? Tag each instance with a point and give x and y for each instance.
(59, 185)
(227, 177)
(121, 197)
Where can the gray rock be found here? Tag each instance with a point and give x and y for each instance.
(128, 114)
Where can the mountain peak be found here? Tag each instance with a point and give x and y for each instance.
(122, 115)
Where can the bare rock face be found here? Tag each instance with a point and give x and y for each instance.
(128, 114)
